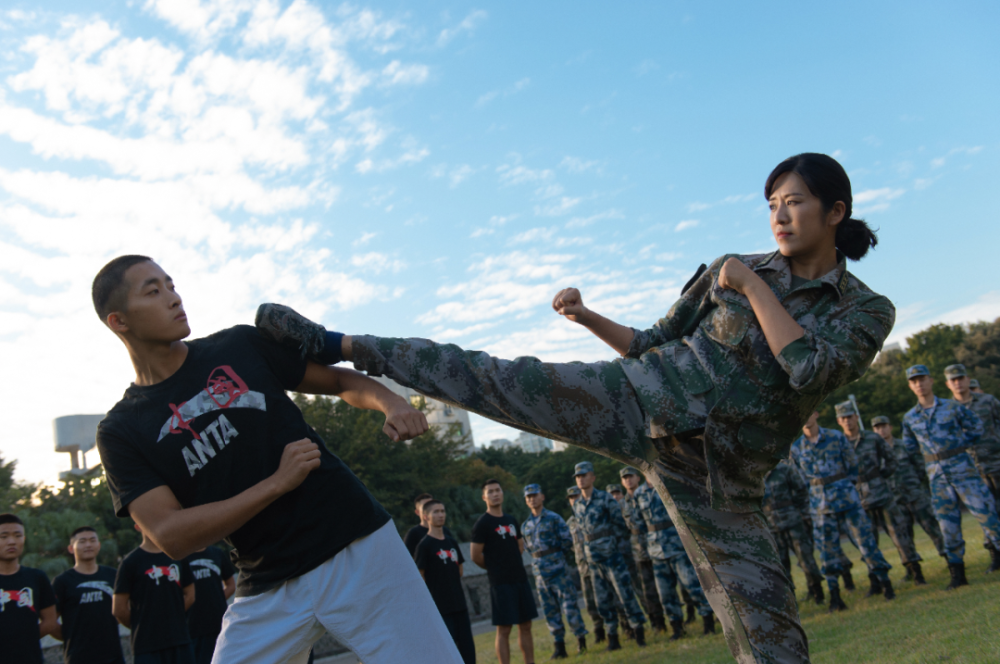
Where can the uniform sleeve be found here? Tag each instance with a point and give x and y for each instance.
(187, 576)
(617, 520)
(527, 540)
(835, 354)
(565, 537)
(46, 597)
(909, 440)
(123, 580)
(799, 490)
(129, 473)
(286, 363)
(972, 426)
(849, 456)
(683, 318)
(888, 458)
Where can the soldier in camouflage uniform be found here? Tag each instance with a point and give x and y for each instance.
(974, 386)
(786, 499)
(987, 452)
(547, 538)
(644, 564)
(908, 483)
(632, 557)
(625, 548)
(876, 464)
(943, 430)
(827, 461)
(586, 580)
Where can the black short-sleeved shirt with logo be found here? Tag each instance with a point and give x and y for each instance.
(499, 535)
(210, 568)
(90, 630)
(417, 533)
(439, 560)
(155, 585)
(217, 427)
(23, 595)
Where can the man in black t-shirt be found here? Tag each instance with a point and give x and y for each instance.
(440, 559)
(83, 601)
(497, 547)
(417, 532)
(207, 445)
(213, 586)
(27, 605)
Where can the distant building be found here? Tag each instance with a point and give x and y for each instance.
(438, 414)
(500, 443)
(75, 435)
(558, 446)
(529, 442)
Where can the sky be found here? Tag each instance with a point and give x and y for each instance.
(442, 169)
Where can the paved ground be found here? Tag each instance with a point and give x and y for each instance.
(350, 658)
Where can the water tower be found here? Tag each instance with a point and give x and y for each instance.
(75, 435)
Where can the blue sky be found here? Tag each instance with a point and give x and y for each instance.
(442, 169)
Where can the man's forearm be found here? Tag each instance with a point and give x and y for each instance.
(613, 334)
(360, 391)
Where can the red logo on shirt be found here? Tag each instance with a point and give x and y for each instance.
(21, 598)
(224, 386)
(157, 572)
(445, 555)
(503, 531)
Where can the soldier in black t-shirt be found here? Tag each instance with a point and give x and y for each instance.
(83, 601)
(27, 605)
(214, 585)
(417, 532)
(497, 547)
(440, 559)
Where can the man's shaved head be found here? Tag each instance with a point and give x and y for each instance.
(110, 290)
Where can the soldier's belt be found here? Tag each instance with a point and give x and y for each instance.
(823, 481)
(607, 532)
(543, 553)
(661, 526)
(931, 458)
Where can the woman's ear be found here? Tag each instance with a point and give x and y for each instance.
(836, 213)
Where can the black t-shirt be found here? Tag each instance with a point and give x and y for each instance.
(217, 427)
(439, 559)
(499, 535)
(23, 595)
(90, 630)
(210, 568)
(155, 584)
(417, 533)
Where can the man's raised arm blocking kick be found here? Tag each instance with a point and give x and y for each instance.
(206, 445)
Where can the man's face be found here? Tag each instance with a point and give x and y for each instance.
(617, 494)
(959, 386)
(922, 386)
(884, 430)
(11, 541)
(535, 501)
(585, 481)
(571, 499)
(85, 546)
(812, 422)
(436, 516)
(630, 482)
(153, 311)
(849, 424)
(493, 495)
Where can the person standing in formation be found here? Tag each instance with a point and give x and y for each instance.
(786, 506)
(943, 430)
(986, 453)
(439, 559)
(974, 386)
(876, 464)
(27, 603)
(631, 479)
(826, 460)
(84, 594)
(417, 532)
(625, 548)
(586, 578)
(497, 547)
(909, 483)
(547, 538)
(213, 586)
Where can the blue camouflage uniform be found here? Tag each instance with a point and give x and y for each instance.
(831, 468)
(670, 561)
(546, 538)
(942, 434)
(600, 521)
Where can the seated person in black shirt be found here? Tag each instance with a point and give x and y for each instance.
(417, 532)
(83, 601)
(27, 604)
(206, 445)
(439, 559)
(497, 547)
(213, 586)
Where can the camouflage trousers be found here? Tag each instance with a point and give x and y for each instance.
(558, 595)
(648, 591)
(595, 407)
(892, 520)
(612, 580)
(920, 511)
(590, 598)
(797, 538)
(972, 491)
(826, 528)
(668, 572)
(993, 484)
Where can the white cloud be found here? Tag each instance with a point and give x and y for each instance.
(912, 319)
(938, 162)
(577, 165)
(377, 263)
(874, 200)
(510, 175)
(698, 206)
(364, 239)
(582, 222)
(686, 224)
(468, 24)
(506, 92)
(397, 73)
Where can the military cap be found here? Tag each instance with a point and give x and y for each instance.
(532, 488)
(954, 371)
(880, 419)
(583, 468)
(973, 383)
(846, 409)
(917, 370)
(613, 488)
(628, 470)
(573, 491)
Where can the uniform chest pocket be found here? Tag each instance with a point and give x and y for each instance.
(731, 318)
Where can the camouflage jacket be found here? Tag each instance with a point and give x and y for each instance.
(876, 464)
(944, 429)
(831, 456)
(578, 552)
(987, 451)
(636, 526)
(547, 534)
(908, 482)
(663, 542)
(786, 496)
(711, 344)
(601, 524)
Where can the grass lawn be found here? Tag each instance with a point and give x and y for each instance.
(921, 625)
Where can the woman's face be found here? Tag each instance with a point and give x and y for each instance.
(799, 225)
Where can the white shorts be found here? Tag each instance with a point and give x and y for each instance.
(369, 596)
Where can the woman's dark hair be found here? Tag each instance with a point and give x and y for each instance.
(827, 180)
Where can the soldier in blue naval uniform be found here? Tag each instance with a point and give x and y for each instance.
(547, 539)
(586, 578)
(943, 430)
(600, 521)
(827, 461)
